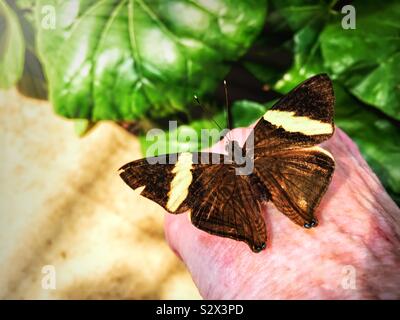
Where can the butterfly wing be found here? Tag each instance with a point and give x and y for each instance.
(302, 118)
(155, 174)
(168, 178)
(296, 179)
(229, 208)
(293, 169)
(221, 203)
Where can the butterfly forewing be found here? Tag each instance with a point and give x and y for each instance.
(156, 178)
(302, 118)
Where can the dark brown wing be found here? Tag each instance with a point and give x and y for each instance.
(221, 202)
(295, 173)
(226, 205)
(302, 118)
(296, 179)
(153, 173)
(168, 176)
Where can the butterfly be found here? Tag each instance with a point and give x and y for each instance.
(288, 169)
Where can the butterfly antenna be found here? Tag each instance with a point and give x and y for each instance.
(229, 119)
(207, 112)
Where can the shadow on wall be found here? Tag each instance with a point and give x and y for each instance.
(63, 205)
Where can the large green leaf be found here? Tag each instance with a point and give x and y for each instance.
(298, 13)
(322, 45)
(307, 57)
(12, 47)
(307, 19)
(367, 59)
(120, 59)
(376, 137)
(270, 56)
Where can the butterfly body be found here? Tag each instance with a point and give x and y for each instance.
(287, 168)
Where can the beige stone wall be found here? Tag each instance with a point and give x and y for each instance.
(63, 204)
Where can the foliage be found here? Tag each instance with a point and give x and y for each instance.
(120, 60)
(143, 60)
(11, 47)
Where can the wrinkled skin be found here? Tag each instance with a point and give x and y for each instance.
(354, 252)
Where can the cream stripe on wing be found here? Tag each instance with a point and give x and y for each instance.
(319, 149)
(292, 123)
(179, 188)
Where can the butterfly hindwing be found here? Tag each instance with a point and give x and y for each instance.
(227, 205)
(297, 180)
(221, 203)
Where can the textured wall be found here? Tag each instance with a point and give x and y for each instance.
(63, 204)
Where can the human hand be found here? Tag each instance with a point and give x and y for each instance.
(354, 252)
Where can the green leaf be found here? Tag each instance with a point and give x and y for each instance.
(267, 74)
(245, 112)
(270, 56)
(121, 59)
(12, 47)
(32, 83)
(367, 59)
(307, 59)
(83, 126)
(376, 137)
(299, 13)
(183, 138)
(25, 10)
(307, 52)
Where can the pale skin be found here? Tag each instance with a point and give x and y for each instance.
(354, 252)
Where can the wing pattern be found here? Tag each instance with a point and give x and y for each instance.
(289, 169)
(220, 202)
(297, 180)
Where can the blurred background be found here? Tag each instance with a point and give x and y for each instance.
(83, 81)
